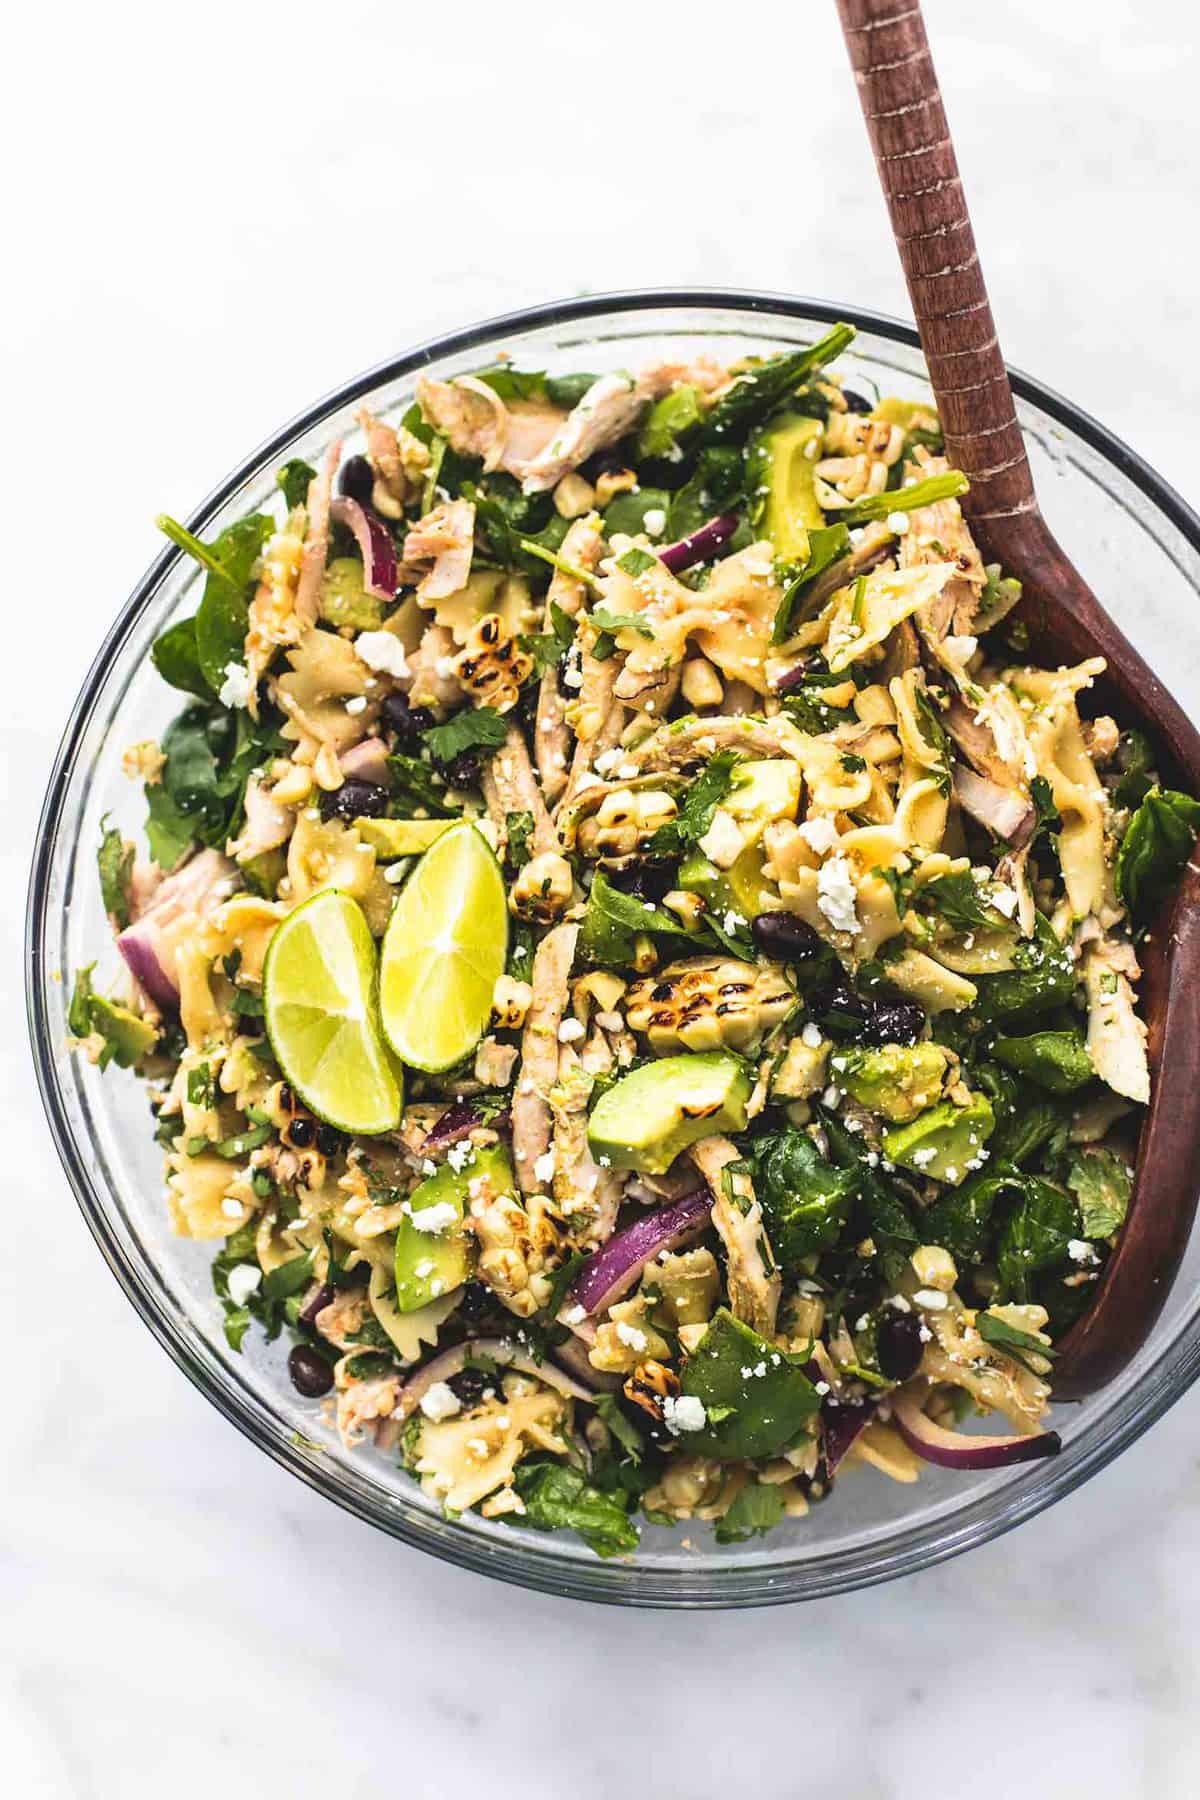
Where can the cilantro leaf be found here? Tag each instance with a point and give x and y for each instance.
(755, 1510)
(114, 860)
(481, 728)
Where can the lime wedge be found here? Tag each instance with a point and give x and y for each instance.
(444, 949)
(321, 1016)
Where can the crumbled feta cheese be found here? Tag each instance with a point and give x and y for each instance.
(819, 834)
(723, 842)
(440, 1402)
(898, 1303)
(434, 1219)
(732, 920)
(932, 1299)
(607, 761)
(1080, 1251)
(460, 1154)
(357, 705)
(811, 1037)
(836, 894)
(632, 1337)
(831, 1096)
(924, 1157)
(381, 650)
(237, 687)
(1004, 899)
(684, 1414)
(575, 1316)
(820, 1387)
(570, 1031)
(244, 1279)
(655, 521)
(423, 1268)
(543, 1167)
(898, 522)
(233, 1209)
(610, 1021)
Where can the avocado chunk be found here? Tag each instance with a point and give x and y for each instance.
(757, 1399)
(126, 1037)
(648, 1117)
(944, 1140)
(431, 1263)
(390, 838)
(264, 872)
(742, 888)
(763, 791)
(344, 599)
(782, 460)
(898, 1082)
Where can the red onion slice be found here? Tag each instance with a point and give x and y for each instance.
(458, 1121)
(841, 1426)
(374, 541)
(366, 761)
(956, 1450)
(449, 1363)
(613, 1270)
(204, 880)
(701, 545)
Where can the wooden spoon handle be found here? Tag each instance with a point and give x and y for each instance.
(902, 104)
(1137, 1277)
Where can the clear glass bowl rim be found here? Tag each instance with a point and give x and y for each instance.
(524, 1565)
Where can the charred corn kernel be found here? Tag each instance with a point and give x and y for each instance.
(708, 1003)
(688, 908)
(492, 665)
(543, 888)
(511, 1001)
(855, 434)
(934, 1267)
(625, 821)
(618, 481)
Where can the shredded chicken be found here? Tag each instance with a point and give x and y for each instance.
(1004, 810)
(445, 537)
(1116, 1036)
(531, 1116)
(587, 1195)
(751, 1276)
(581, 547)
(316, 541)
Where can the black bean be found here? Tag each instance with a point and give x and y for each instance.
(406, 722)
(470, 1386)
(462, 771)
(785, 936)
(286, 1097)
(300, 1132)
(322, 1298)
(476, 1302)
(329, 1140)
(898, 1344)
(893, 1022)
(355, 799)
(357, 480)
(311, 1374)
(856, 402)
(649, 881)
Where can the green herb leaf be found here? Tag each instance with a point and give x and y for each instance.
(613, 919)
(907, 499)
(1035, 1235)
(959, 901)
(1157, 843)
(620, 1426)
(805, 1199)
(480, 728)
(293, 480)
(1043, 976)
(759, 390)
(114, 860)
(1102, 1184)
(768, 1410)
(604, 620)
(175, 657)
(557, 1498)
(755, 1510)
(416, 787)
(519, 828)
(1055, 1060)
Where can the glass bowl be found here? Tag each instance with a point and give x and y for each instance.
(1136, 542)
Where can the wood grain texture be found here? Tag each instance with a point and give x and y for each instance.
(902, 105)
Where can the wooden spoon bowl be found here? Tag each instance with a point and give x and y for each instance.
(902, 104)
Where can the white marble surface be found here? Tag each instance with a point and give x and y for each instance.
(223, 212)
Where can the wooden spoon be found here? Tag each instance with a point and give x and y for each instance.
(902, 105)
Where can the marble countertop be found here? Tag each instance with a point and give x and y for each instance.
(222, 215)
